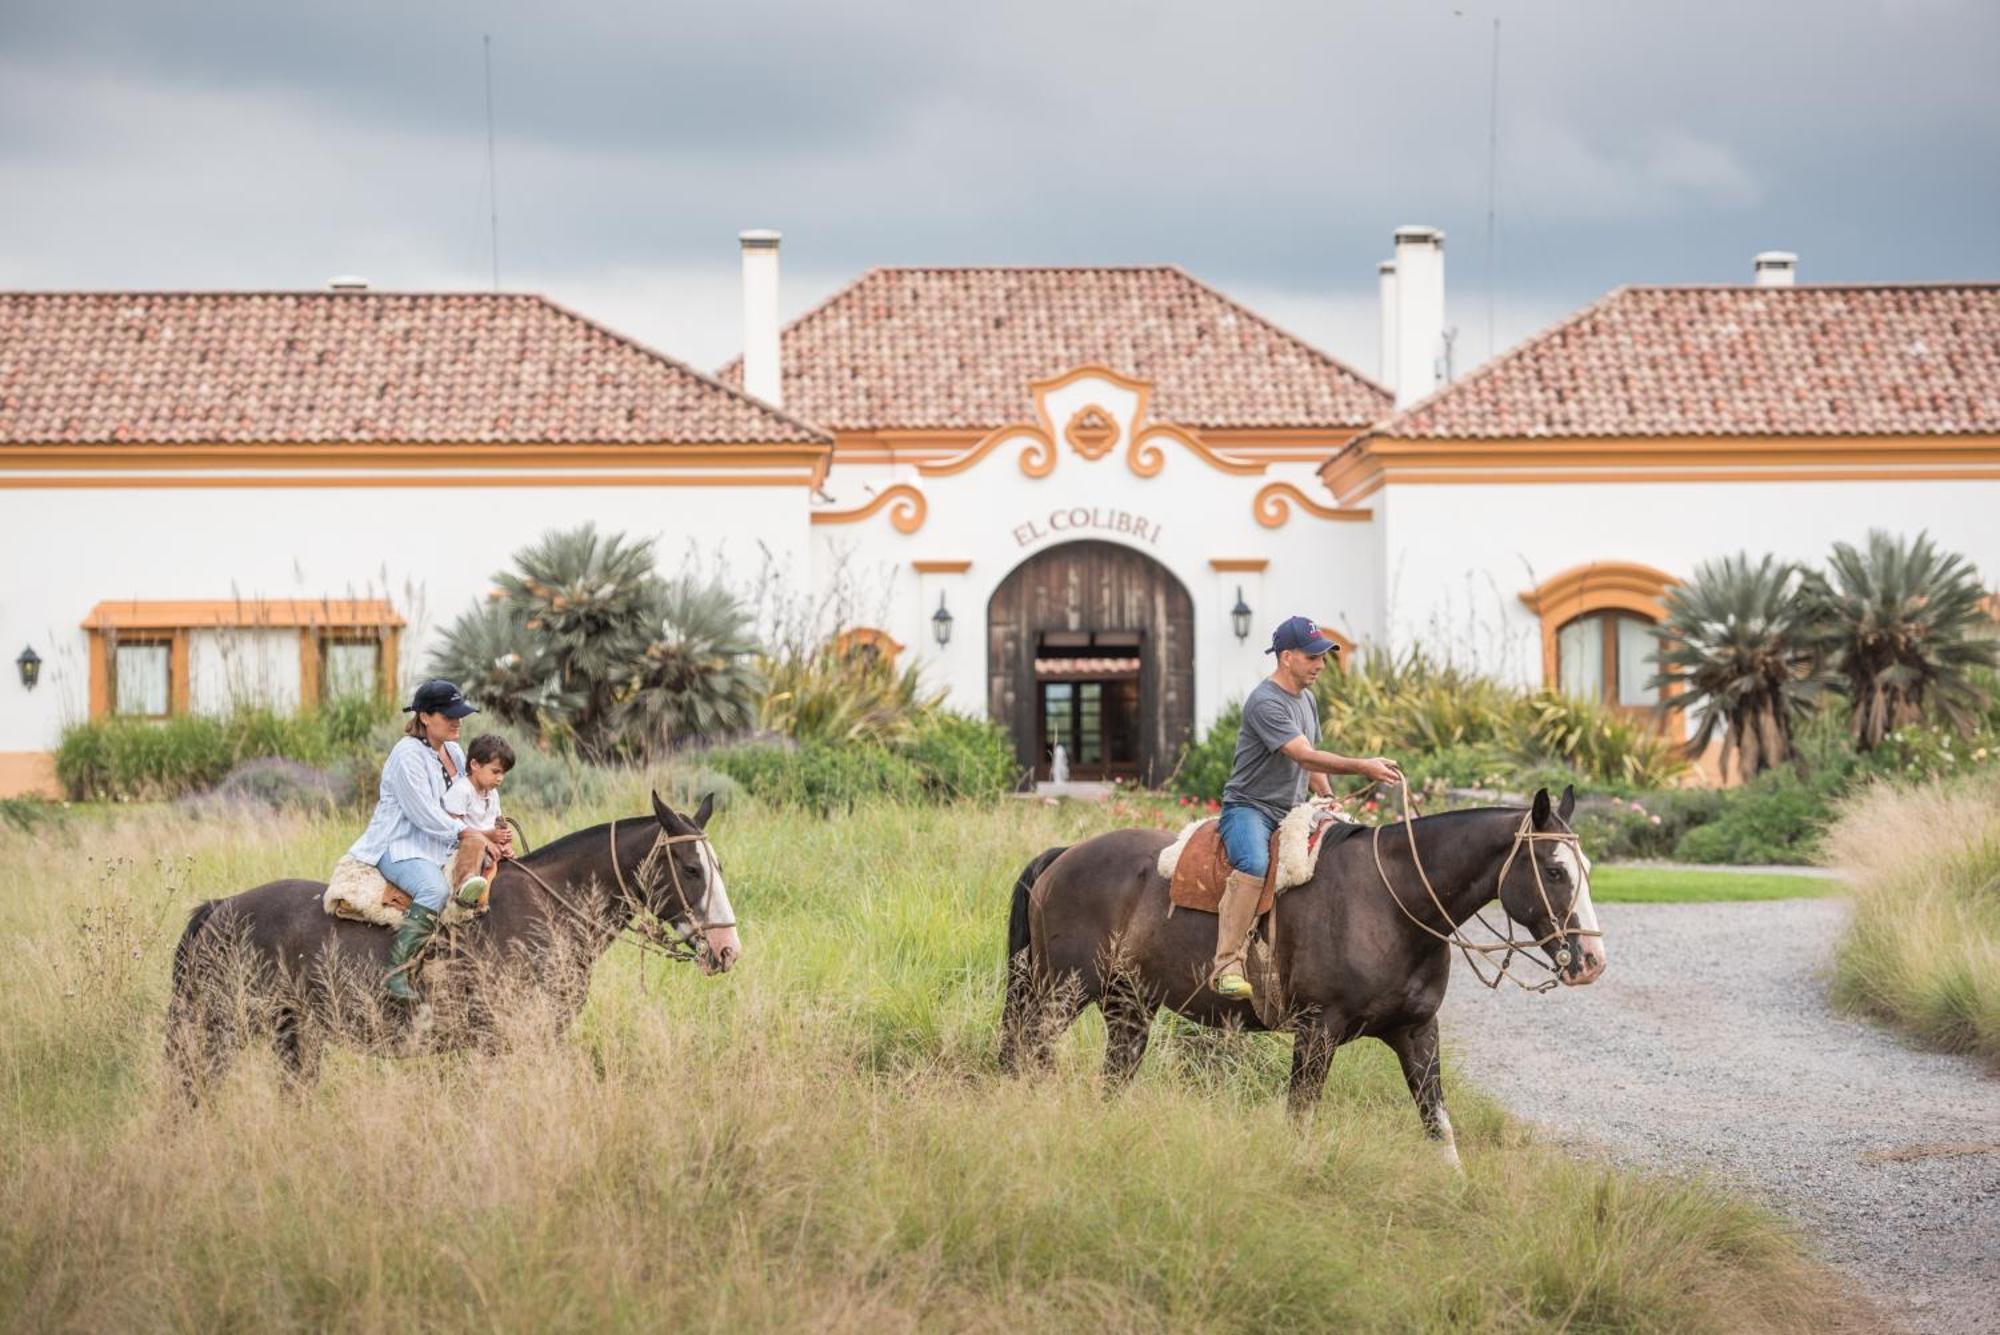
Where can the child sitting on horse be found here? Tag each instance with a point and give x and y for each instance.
(473, 798)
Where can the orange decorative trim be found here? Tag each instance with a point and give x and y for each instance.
(120, 458)
(1142, 454)
(866, 637)
(177, 674)
(1146, 458)
(242, 613)
(907, 517)
(1042, 445)
(308, 669)
(1367, 465)
(940, 567)
(1273, 506)
(1091, 432)
(100, 676)
(1600, 586)
(1345, 657)
(1238, 564)
(28, 774)
(86, 482)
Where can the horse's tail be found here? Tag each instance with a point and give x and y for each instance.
(185, 948)
(1016, 1017)
(1017, 913)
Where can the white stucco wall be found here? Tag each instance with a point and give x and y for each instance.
(430, 551)
(1457, 558)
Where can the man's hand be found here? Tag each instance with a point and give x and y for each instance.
(1379, 768)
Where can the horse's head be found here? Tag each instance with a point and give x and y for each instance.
(687, 892)
(1548, 883)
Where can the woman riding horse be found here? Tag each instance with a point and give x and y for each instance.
(411, 836)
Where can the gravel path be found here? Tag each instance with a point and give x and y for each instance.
(1709, 1046)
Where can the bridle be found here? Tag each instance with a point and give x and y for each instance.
(642, 920)
(1524, 835)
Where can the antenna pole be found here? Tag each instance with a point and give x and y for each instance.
(1492, 181)
(492, 175)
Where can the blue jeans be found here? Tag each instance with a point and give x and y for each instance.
(420, 878)
(1246, 837)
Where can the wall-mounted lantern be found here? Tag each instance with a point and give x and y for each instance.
(941, 623)
(1239, 616)
(30, 664)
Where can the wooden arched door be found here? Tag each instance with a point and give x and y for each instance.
(1092, 644)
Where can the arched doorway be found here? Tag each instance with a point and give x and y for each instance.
(1092, 644)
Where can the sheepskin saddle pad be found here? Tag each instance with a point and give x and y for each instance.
(360, 892)
(1196, 866)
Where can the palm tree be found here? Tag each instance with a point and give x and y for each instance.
(1903, 626)
(584, 643)
(1737, 649)
(697, 676)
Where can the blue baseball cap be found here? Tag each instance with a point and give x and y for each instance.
(438, 696)
(1301, 634)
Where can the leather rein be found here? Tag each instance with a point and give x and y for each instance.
(1524, 834)
(642, 926)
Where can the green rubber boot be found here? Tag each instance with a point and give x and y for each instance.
(419, 926)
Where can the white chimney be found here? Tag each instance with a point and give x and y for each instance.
(347, 282)
(1419, 312)
(1775, 268)
(761, 375)
(1385, 276)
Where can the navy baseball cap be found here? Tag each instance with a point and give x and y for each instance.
(1300, 633)
(438, 696)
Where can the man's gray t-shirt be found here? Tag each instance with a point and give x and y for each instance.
(1262, 775)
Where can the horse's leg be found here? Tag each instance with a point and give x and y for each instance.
(1128, 1024)
(1018, 1012)
(1312, 1053)
(298, 1046)
(1417, 1049)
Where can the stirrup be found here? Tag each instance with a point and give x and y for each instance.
(471, 890)
(1233, 986)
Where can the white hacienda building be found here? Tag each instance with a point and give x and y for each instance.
(1080, 497)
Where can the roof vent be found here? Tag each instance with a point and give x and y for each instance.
(1775, 268)
(347, 282)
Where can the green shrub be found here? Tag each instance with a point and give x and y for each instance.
(960, 756)
(1205, 764)
(1776, 818)
(152, 759)
(825, 695)
(818, 776)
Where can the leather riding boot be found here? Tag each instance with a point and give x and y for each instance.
(419, 926)
(466, 864)
(1234, 917)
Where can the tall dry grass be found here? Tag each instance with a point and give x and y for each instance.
(818, 1140)
(1923, 950)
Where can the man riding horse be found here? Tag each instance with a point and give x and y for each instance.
(1277, 761)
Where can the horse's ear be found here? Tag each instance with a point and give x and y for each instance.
(704, 811)
(662, 813)
(1567, 806)
(1540, 810)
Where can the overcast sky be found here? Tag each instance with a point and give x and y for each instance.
(1267, 146)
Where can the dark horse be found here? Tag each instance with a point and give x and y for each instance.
(272, 963)
(1093, 923)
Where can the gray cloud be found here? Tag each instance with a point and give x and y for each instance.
(1268, 146)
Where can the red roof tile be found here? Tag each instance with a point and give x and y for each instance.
(1749, 361)
(956, 348)
(349, 367)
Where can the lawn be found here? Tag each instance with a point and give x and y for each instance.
(818, 1140)
(1674, 885)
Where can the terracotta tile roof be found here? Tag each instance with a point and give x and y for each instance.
(1723, 361)
(956, 348)
(349, 367)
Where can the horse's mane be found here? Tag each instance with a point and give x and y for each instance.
(1461, 816)
(576, 839)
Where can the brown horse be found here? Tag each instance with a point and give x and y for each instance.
(272, 963)
(1361, 946)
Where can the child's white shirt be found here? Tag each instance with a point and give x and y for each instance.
(480, 811)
